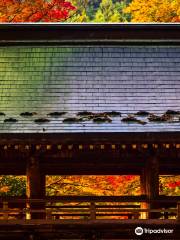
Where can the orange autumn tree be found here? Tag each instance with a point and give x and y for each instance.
(154, 10)
(89, 185)
(92, 185)
(35, 10)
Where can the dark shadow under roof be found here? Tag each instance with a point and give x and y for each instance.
(96, 33)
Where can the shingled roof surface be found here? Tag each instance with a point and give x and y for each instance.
(39, 80)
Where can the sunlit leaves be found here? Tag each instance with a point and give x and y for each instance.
(107, 12)
(93, 185)
(35, 11)
(154, 10)
(89, 185)
(12, 185)
(170, 185)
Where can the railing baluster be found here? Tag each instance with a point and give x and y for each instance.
(178, 211)
(48, 214)
(92, 211)
(144, 215)
(27, 210)
(5, 208)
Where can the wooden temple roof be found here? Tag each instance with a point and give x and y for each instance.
(111, 71)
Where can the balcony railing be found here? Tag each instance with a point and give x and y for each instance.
(89, 208)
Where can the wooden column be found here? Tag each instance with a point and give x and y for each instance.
(150, 186)
(35, 186)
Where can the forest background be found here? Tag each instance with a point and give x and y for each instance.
(108, 11)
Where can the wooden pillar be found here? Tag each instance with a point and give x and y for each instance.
(35, 186)
(144, 205)
(178, 211)
(150, 186)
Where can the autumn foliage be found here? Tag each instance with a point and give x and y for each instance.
(93, 185)
(98, 185)
(154, 10)
(90, 11)
(35, 10)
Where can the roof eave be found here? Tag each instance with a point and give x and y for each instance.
(88, 32)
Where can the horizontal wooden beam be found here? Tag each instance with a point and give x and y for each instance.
(95, 33)
(121, 199)
(76, 198)
(87, 138)
(91, 146)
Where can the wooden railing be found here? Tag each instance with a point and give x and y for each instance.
(88, 208)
